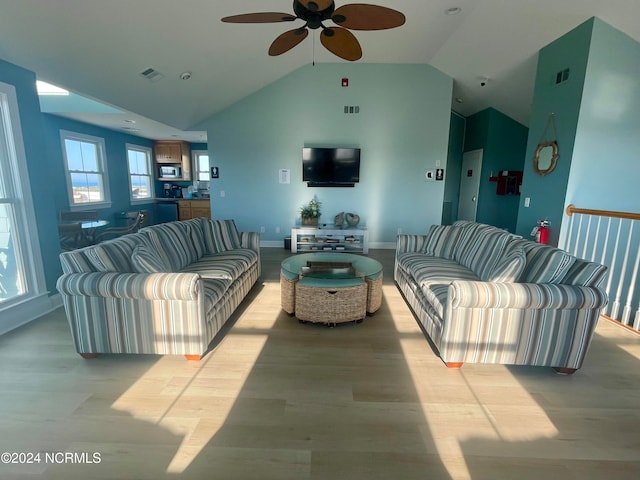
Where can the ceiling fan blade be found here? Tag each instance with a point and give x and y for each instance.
(361, 16)
(342, 43)
(287, 41)
(264, 17)
(316, 5)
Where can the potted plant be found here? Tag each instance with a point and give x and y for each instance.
(310, 213)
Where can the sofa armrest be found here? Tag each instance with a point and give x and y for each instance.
(250, 240)
(410, 243)
(473, 294)
(149, 286)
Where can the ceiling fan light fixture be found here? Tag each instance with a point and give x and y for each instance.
(338, 40)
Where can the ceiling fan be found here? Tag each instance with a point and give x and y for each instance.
(338, 40)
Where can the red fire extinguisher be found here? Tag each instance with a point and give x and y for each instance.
(541, 232)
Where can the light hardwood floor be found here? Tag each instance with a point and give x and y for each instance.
(276, 399)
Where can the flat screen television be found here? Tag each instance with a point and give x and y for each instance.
(330, 167)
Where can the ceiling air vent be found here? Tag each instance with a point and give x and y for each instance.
(152, 75)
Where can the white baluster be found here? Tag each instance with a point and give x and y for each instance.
(616, 304)
(626, 311)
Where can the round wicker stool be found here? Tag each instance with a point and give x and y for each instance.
(331, 301)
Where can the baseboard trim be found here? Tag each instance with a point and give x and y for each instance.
(29, 310)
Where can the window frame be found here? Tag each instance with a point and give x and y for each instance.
(17, 193)
(99, 143)
(149, 154)
(195, 154)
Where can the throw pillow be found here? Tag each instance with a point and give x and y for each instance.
(146, 260)
(441, 240)
(225, 235)
(509, 266)
(545, 264)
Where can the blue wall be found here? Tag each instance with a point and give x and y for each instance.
(563, 100)
(402, 130)
(605, 170)
(41, 170)
(504, 142)
(597, 115)
(116, 153)
(454, 167)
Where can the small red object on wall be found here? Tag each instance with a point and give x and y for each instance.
(345, 82)
(509, 182)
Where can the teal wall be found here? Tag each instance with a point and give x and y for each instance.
(116, 154)
(504, 142)
(41, 170)
(454, 167)
(402, 130)
(563, 100)
(45, 164)
(605, 170)
(597, 114)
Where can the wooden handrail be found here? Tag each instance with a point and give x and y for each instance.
(571, 209)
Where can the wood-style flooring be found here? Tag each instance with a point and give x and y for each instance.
(276, 399)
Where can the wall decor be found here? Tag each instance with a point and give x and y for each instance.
(546, 155)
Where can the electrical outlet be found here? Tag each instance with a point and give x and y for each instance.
(277, 229)
(262, 229)
(399, 231)
(222, 194)
(527, 202)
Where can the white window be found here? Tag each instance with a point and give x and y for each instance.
(21, 274)
(140, 173)
(86, 169)
(201, 162)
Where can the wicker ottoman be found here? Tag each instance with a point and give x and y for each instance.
(330, 301)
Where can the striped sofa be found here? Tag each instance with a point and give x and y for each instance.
(483, 295)
(167, 289)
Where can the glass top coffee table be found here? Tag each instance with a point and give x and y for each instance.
(330, 288)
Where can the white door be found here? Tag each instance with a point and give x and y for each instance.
(469, 185)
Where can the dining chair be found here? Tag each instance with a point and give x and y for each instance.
(88, 215)
(71, 236)
(138, 217)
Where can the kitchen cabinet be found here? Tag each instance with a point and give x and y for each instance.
(174, 154)
(188, 209)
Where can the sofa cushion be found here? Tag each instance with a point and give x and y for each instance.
(510, 265)
(214, 289)
(173, 243)
(196, 231)
(545, 264)
(585, 274)
(434, 275)
(482, 249)
(220, 236)
(115, 255)
(147, 260)
(76, 261)
(228, 265)
(441, 240)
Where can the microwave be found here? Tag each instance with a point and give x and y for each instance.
(169, 171)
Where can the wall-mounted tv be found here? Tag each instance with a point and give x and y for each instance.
(330, 167)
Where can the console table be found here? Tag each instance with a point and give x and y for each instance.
(310, 239)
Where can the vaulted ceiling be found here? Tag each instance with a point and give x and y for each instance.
(98, 49)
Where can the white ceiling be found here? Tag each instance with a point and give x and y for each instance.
(97, 48)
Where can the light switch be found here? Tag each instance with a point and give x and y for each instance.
(527, 202)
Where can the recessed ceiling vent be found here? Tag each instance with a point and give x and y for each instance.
(152, 75)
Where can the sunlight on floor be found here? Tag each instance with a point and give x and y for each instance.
(478, 413)
(193, 399)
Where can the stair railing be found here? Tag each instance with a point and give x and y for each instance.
(612, 239)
